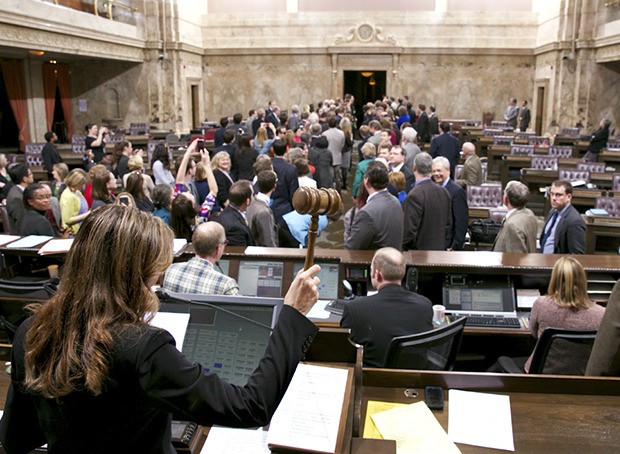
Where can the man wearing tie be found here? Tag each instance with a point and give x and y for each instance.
(564, 231)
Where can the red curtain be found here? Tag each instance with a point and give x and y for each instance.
(64, 86)
(57, 75)
(13, 73)
(49, 92)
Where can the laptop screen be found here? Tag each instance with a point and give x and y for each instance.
(479, 297)
(260, 278)
(328, 287)
(223, 343)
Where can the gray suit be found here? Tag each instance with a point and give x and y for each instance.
(15, 208)
(570, 233)
(518, 234)
(262, 224)
(378, 224)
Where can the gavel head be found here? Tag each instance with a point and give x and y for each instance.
(316, 201)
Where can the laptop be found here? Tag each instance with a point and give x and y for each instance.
(485, 303)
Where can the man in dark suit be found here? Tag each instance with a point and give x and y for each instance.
(433, 122)
(427, 210)
(287, 182)
(375, 320)
(380, 222)
(397, 164)
(446, 145)
(50, 153)
(525, 115)
(233, 216)
(564, 231)
(218, 139)
(21, 176)
(421, 125)
(460, 210)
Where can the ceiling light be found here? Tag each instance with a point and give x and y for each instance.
(38, 53)
(367, 73)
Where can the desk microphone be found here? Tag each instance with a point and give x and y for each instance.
(165, 296)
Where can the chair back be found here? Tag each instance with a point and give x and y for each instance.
(544, 162)
(486, 195)
(609, 204)
(14, 296)
(138, 129)
(592, 167)
(33, 155)
(432, 350)
(615, 182)
(503, 140)
(522, 150)
(570, 132)
(4, 216)
(561, 151)
(562, 352)
(574, 175)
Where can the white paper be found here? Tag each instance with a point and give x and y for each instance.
(318, 310)
(309, 414)
(5, 239)
(480, 419)
(173, 322)
(526, 298)
(55, 246)
(30, 241)
(226, 439)
(178, 244)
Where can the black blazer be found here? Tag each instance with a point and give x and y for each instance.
(287, 184)
(448, 146)
(149, 381)
(423, 128)
(599, 140)
(237, 231)
(375, 320)
(223, 185)
(460, 216)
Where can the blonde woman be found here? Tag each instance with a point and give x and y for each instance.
(221, 171)
(136, 164)
(347, 128)
(262, 143)
(566, 304)
(73, 205)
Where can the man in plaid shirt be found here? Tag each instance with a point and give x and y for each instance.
(199, 274)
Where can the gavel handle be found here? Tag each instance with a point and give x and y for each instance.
(312, 233)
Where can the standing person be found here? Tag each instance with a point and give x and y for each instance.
(162, 197)
(243, 158)
(73, 205)
(221, 171)
(22, 177)
(335, 144)
(525, 116)
(5, 177)
(446, 145)
(287, 182)
(262, 142)
(598, 141)
(427, 210)
(471, 172)
(90, 350)
(564, 231)
(96, 140)
(408, 138)
(375, 320)
(104, 185)
(160, 164)
(59, 173)
(259, 215)
(324, 174)
(136, 164)
(380, 222)
(135, 187)
(422, 125)
(605, 356)
(233, 217)
(511, 113)
(122, 152)
(347, 129)
(49, 153)
(520, 227)
(433, 122)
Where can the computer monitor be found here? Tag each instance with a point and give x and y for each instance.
(224, 266)
(328, 288)
(462, 296)
(222, 343)
(260, 278)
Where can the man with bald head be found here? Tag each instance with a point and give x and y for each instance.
(393, 311)
(201, 274)
(471, 173)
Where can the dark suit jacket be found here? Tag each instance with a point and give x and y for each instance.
(378, 224)
(149, 381)
(285, 188)
(409, 177)
(460, 216)
(605, 356)
(526, 116)
(423, 128)
(15, 208)
(448, 146)
(50, 156)
(570, 233)
(427, 217)
(237, 231)
(433, 125)
(223, 185)
(599, 140)
(218, 138)
(375, 320)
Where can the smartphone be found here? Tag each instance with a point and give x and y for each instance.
(200, 144)
(433, 396)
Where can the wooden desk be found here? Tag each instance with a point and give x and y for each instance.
(515, 162)
(611, 158)
(602, 235)
(550, 414)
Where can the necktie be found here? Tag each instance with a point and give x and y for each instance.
(547, 232)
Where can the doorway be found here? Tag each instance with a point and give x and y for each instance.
(540, 106)
(196, 121)
(9, 137)
(366, 86)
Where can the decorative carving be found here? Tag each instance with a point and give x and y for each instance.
(365, 32)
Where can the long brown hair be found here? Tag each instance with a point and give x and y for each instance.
(71, 336)
(568, 286)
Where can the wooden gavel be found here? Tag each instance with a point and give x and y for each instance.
(315, 202)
